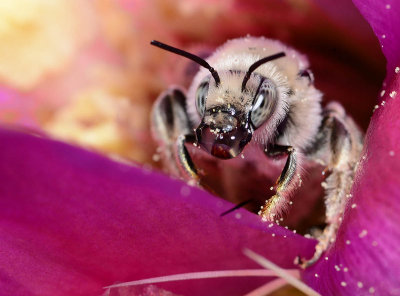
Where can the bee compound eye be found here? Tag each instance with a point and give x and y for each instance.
(264, 103)
(201, 97)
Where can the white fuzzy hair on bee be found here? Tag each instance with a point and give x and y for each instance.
(260, 92)
(240, 54)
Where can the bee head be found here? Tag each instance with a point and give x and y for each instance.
(230, 108)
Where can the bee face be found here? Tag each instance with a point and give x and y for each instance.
(247, 95)
(230, 114)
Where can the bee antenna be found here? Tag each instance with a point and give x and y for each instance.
(190, 56)
(258, 64)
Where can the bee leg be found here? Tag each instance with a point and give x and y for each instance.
(186, 166)
(274, 206)
(172, 130)
(342, 149)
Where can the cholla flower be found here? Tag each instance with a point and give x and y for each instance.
(74, 222)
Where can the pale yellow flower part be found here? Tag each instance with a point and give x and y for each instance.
(39, 37)
(98, 118)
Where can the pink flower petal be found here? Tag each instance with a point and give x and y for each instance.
(364, 259)
(73, 222)
(383, 16)
(365, 256)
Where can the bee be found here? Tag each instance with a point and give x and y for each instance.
(257, 91)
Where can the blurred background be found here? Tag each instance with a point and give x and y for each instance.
(85, 73)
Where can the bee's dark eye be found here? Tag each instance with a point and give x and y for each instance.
(201, 97)
(264, 103)
(308, 74)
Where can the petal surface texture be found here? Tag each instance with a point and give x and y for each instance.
(365, 259)
(73, 222)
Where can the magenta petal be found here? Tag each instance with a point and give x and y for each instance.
(383, 16)
(73, 222)
(365, 257)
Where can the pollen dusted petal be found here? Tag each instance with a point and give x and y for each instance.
(74, 222)
(383, 16)
(365, 259)
(366, 248)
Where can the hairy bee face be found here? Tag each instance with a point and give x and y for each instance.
(229, 114)
(224, 132)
